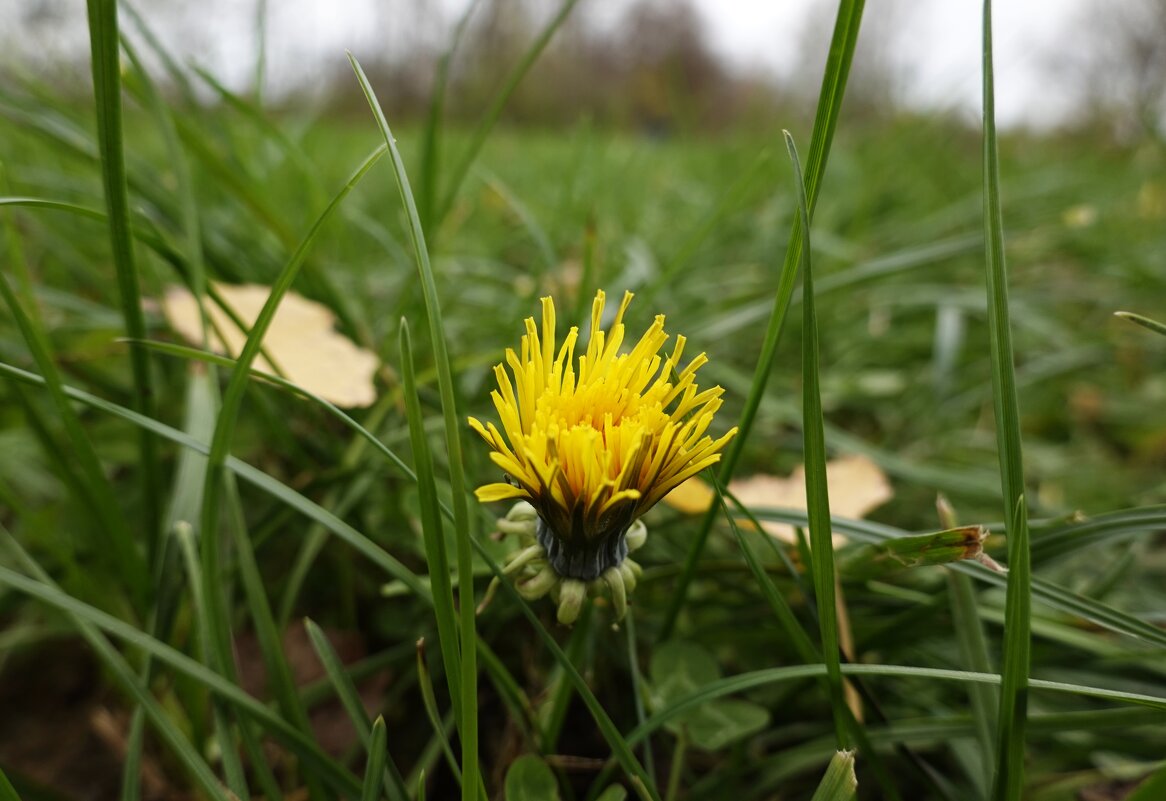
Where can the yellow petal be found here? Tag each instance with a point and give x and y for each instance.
(610, 438)
(499, 492)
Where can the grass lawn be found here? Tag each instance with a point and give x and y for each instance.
(144, 589)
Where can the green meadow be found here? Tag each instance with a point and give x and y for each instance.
(214, 584)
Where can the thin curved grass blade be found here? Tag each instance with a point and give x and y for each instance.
(817, 495)
(1144, 322)
(1008, 784)
(302, 746)
(106, 69)
(431, 529)
(490, 118)
(834, 79)
(375, 768)
(467, 623)
(839, 783)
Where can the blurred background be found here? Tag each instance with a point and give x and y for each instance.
(649, 63)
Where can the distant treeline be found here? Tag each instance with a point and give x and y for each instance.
(636, 64)
(651, 68)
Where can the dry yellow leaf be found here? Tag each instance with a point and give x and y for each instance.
(302, 341)
(692, 497)
(856, 485)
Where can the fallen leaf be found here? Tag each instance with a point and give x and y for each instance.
(856, 485)
(692, 497)
(301, 339)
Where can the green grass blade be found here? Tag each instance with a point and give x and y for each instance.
(187, 202)
(386, 772)
(220, 711)
(611, 734)
(490, 118)
(185, 352)
(809, 654)
(176, 159)
(233, 396)
(270, 130)
(427, 759)
(342, 502)
(106, 68)
(313, 511)
(174, 71)
(213, 483)
(56, 205)
(1008, 783)
(537, 233)
(168, 580)
(1043, 590)
(233, 178)
(279, 675)
(637, 682)
(559, 689)
(676, 769)
(431, 529)
(78, 465)
(7, 791)
(131, 771)
(232, 765)
(588, 280)
(772, 676)
(834, 79)
(1153, 788)
(974, 652)
(777, 603)
(261, 20)
(118, 547)
(817, 496)
(273, 724)
(1076, 534)
(468, 722)
(429, 701)
(435, 120)
(839, 783)
(374, 770)
(509, 690)
(345, 690)
(762, 678)
(1145, 322)
(726, 202)
(186, 753)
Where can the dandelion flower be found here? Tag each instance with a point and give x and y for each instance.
(592, 444)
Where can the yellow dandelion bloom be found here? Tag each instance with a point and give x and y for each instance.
(594, 446)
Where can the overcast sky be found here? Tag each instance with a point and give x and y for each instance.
(935, 47)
